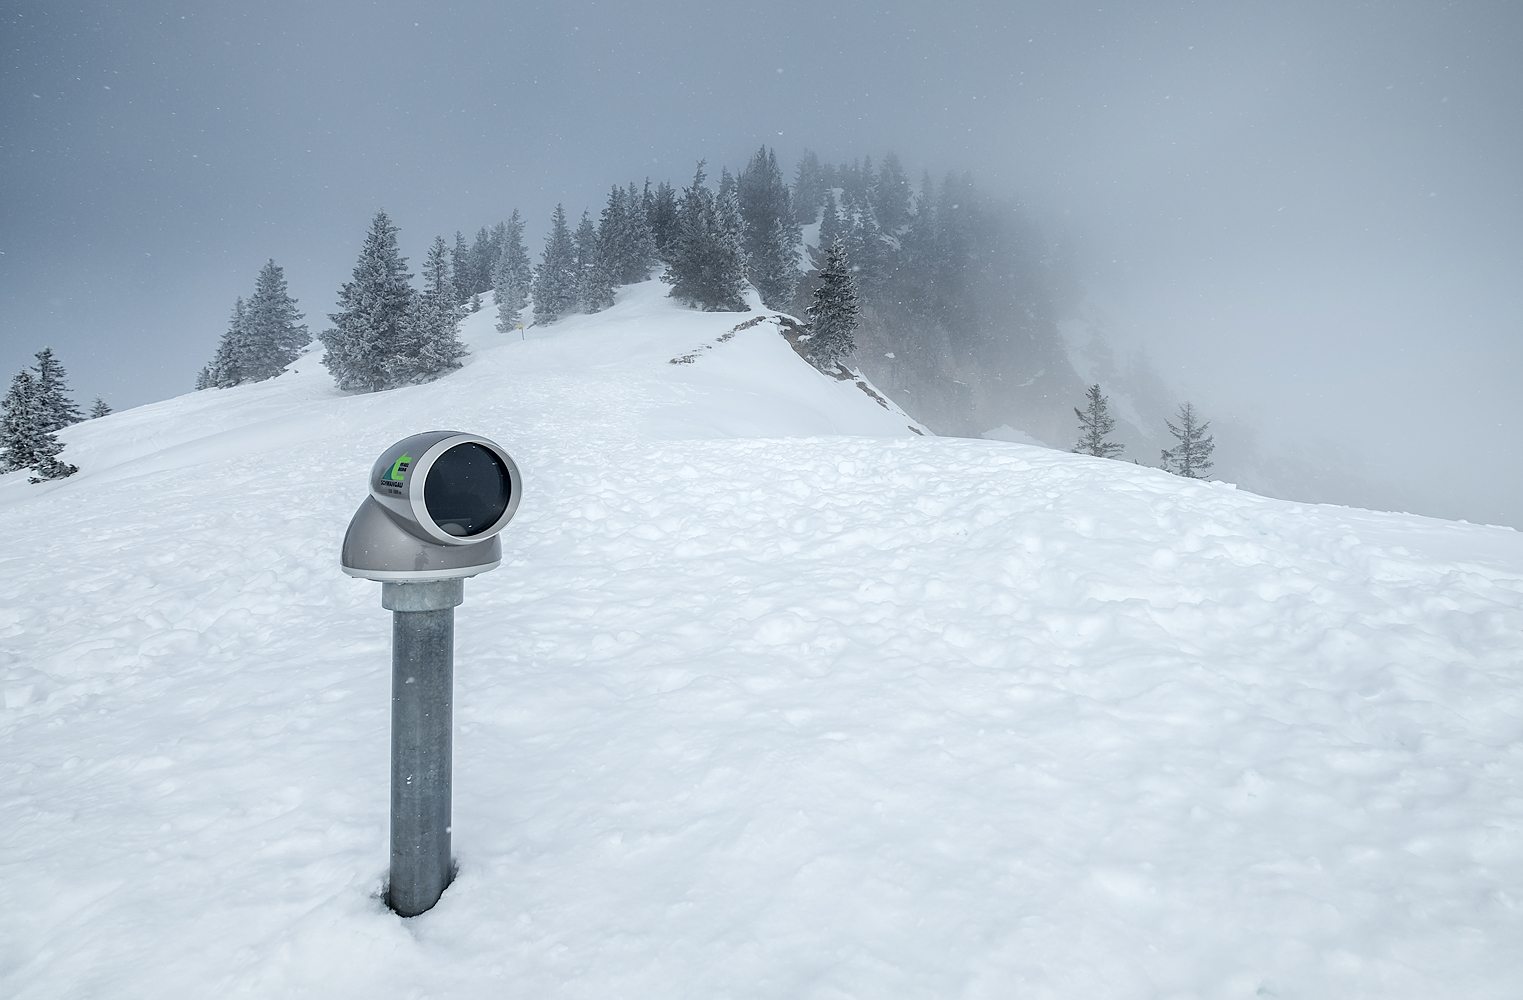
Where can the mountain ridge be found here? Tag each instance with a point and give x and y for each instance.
(771, 696)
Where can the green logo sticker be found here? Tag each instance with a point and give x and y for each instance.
(398, 470)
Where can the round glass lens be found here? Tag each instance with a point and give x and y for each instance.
(467, 490)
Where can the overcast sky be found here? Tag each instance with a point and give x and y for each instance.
(1310, 213)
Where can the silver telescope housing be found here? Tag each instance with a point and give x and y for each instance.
(437, 502)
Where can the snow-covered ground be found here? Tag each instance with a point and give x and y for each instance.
(771, 697)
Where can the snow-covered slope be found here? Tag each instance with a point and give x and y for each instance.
(771, 697)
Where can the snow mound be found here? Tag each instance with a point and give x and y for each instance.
(1004, 432)
(771, 697)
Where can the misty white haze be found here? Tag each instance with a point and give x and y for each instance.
(1307, 214)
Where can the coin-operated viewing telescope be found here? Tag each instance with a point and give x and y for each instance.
(437, 501)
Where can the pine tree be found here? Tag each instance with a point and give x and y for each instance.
(706, 266)
(228, 365)
(868, 181)
(919, 255)
(371, 325)
(833, 313)
(864, 244)
(639, 254)
(100, 409)
(613, 229)
(809, 189)
(498, 241)
(954, 214)
(555, 286)
(20, 424)
(726, 184)
(58, 410)
(460, 264)
(771, 236)
(891, 197)
(45, 463)
(1095, 422)
(647, 207)
(731, 227)
(661, 214)
(273, 334)
(640, 241)
(830, 222)
(594, 284)
(512, 276)
(481, 259)
(624, 237)
(430, 342)
(776, 275)
(25, 434)
(1192, 456)
(849, 179)
(436, 318)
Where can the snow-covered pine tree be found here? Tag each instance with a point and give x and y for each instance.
(891, 197)
(25, 436)
(647, 206)
(849, 179)
(919, 255)
(954, 219)
(727, 212)
(594, 284)
(808, 189)
(499, 240)
(481, 261)
(555, 285)
(864, 244)
(833, 313)
(612, 232)
(45, 462)
(625, 238)
(763, 192)
(640, 242)
(867, 186)
(830, 222)
(99, 409)
(1095, 422)
(732, 233)
(57, 408)
(431, 345)
(512, 276)
(706, 266)
(852, 230)
(20, 423)
(273, 334)
(374, 308)
(777, 274)
(1191, 457)
(661, 214)
(460, 266)
(726, 185)
(771, 235)
(227, 367)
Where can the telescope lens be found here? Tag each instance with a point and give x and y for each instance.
(467, 490)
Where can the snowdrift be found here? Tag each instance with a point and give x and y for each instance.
(771, 697)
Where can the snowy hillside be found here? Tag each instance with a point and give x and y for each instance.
(771, 697)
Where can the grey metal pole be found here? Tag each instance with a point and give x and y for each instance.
(422, 715)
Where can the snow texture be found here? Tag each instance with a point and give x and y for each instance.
(770, 698)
